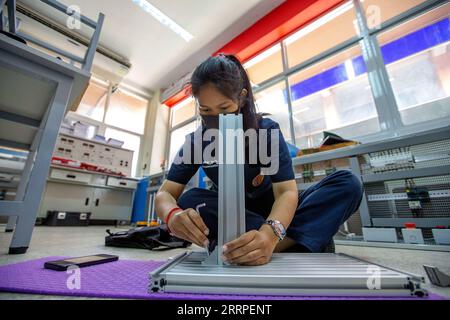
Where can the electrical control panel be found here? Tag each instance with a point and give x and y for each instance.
(390, 160)
(420, 190)
(406, 180)
(418, 156)
(97, 154)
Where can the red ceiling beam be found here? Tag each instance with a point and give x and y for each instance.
(180, 96)
(284, 20)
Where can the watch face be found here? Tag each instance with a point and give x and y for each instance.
(278, 228)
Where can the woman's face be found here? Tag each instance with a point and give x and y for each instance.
(211, 102)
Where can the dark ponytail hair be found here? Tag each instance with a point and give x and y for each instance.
(228, 75)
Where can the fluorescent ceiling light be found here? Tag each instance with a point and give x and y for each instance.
(163, 19)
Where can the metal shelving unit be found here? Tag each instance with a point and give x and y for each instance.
(35, 92)
(358, 154)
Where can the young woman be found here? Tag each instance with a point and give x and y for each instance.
(278, 217)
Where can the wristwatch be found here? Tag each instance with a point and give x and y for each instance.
(277, 228)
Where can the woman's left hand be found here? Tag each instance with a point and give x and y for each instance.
(253, 248)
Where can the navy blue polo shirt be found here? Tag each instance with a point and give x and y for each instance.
(257, 186)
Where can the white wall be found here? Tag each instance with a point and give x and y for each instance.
(155, 137)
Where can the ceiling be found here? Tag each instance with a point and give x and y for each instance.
(158, 55)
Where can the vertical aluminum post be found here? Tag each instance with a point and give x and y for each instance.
(364, 212)
(231, 209)
(383, 94)
(12, 16)
(2, 4)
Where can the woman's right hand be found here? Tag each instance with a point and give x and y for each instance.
(189, 225)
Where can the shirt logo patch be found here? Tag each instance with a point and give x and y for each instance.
(258, 180)
(210, 164)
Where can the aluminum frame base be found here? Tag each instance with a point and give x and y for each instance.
(297, 274)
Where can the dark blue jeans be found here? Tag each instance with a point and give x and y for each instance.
(322, 208)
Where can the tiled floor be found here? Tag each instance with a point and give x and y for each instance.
(79, 241)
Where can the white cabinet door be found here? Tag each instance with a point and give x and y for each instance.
(109, 204)
(66, 197)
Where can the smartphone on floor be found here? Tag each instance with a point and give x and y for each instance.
(86, 261)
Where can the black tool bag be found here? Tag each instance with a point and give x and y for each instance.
(151, 238)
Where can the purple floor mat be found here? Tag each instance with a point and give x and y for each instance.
(123, 279)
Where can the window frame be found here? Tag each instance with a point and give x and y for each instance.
(388, 115)
(102, 125)
(389, 118)
(130, 93)
(172, 128)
